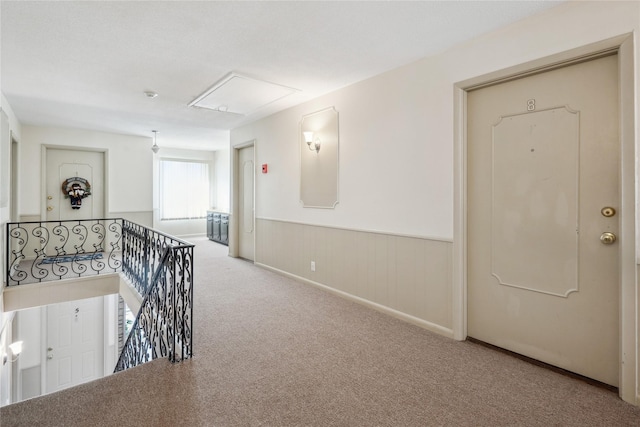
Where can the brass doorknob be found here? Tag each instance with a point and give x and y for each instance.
(608, 238)
(49, 208)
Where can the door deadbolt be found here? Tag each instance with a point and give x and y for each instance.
(608, 211)
(608, 238)
(49, 198)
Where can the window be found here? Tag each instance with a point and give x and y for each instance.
(184, 189)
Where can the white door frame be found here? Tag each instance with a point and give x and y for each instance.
(628, 328)
(234, 250)
(43, 177)
(14, 195)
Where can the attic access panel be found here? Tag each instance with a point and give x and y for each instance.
(239, 94)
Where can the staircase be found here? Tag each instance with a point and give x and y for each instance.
(157, 265)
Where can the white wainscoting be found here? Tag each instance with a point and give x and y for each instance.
(407, 277)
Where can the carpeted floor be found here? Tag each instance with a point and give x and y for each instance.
(270, 351)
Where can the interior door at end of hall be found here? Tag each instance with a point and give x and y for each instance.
(64, 164)
(246, 203)
(61, 165)
(543, 212)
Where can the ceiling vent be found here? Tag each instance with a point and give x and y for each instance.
(238, 94)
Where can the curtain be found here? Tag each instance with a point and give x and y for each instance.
(184, 189)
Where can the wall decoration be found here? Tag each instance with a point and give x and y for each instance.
(319, 147)
(76, 189)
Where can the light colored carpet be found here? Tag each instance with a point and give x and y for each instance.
(270, 351)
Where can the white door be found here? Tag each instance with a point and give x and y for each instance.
(246, 204)
(65, 169)
(63, 165)
(543, 192)
(75, 343)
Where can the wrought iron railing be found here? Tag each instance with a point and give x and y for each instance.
(159, 266)
(40, 251)
(143, 248)
(164, 325)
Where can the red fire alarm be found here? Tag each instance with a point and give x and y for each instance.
(264, 168)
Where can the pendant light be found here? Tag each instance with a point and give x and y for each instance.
(155, 147)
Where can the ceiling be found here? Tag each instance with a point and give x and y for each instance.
(87, 64)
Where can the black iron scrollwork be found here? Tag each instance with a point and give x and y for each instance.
(53, 250)
(159, 266)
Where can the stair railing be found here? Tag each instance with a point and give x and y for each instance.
(164, 325)
(158, 265)
(161, 269)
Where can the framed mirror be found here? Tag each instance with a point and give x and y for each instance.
(319, 148)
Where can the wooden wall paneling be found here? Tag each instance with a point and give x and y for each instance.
(309, 253)
(349, 266)
(289, 242)
(421, 279)
(334, 274)
(286, 248)
(392, 272)
(296, 255)
(264, 236)
(380, 267)
(407, 249)
(411, 275)
(345, 261)
(362, 265)
(437, 297)
(321, 254)
(261, 234)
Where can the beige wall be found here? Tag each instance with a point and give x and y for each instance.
(396, 151)
(129, 167)
(397, 129)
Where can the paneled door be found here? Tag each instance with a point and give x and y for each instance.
(543, 198)
(75, 343)
(63, 164)
(246, 203)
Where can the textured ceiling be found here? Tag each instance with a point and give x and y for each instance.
(86, 64)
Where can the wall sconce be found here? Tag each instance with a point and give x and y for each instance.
(308, 138)
(15, 349)
(155, 147)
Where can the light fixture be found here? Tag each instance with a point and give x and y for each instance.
(15, 349)
(309, 139)
(155, 147)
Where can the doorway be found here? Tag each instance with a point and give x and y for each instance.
(628, 307)
(246, 210)
(63, 164)
(75, 343)
(543, 196)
